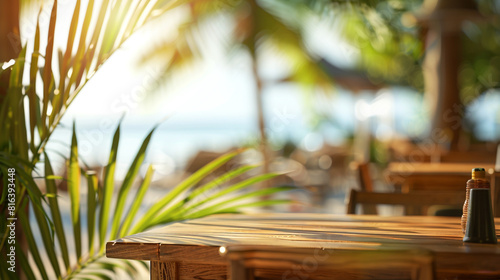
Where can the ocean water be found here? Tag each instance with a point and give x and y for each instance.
(391, 113)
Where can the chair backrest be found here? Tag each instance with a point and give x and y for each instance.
(415, 199)
(364, 176)
(366, 184)
(277, 262)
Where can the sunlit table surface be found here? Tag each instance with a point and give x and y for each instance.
(189, 249)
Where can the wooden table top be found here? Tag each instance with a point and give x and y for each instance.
(439, 234)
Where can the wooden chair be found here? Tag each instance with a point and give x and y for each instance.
(417, 199)
(366, 184)
(364, 176)
(275, 262)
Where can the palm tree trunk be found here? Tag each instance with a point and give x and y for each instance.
(441, 65)
(251, 42)
(263, 144)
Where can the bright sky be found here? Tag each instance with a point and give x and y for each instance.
(217, 91)
(216, 88)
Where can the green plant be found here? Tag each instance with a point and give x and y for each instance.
(187, 200)
(24, 135)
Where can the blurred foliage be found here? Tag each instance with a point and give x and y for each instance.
(255, 25)
(391, 46)
(480, 69)
(392, 52)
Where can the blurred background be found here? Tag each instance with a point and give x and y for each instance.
(329, 94)
(312, 87)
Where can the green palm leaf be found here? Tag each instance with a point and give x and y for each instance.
(139, 197)
(91, 208)
(96, 35)
(127, 184)
(47, 69)
(145, 222)
(238, 208)
(183, 205)
(254, 180)
(109, 181)
(222, 207)
(25, 266)
(74, 193)
(55, 211)
(79, 68)
(68, 53)
(35, 253)
(33, 98)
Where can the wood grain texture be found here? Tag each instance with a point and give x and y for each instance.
(132, 251)
(310, 263)
(309, 230)
(415, 198)
(190, 271)
(164, 270)
(196, 254)
(197, 242)
(324, 274)
(238, 270)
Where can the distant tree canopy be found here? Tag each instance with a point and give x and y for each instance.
(389, 51)
(392, 49)
(481, 53)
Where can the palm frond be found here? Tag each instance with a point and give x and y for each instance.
(74, 193)
(97, 29)
(92, 185)
(221, 200)
(55, 211)
(108, 189)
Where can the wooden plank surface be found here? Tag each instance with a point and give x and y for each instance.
(133, 251)
(190, 249)
(164, 271)
(201, 238)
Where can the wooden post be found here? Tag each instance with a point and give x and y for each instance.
(443, 21)
(164, 270)
(238, 271)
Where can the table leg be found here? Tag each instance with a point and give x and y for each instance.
(410, 210)
(164, 270)
(238, 271)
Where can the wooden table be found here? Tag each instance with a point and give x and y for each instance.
(441, 176)
(190, 249)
